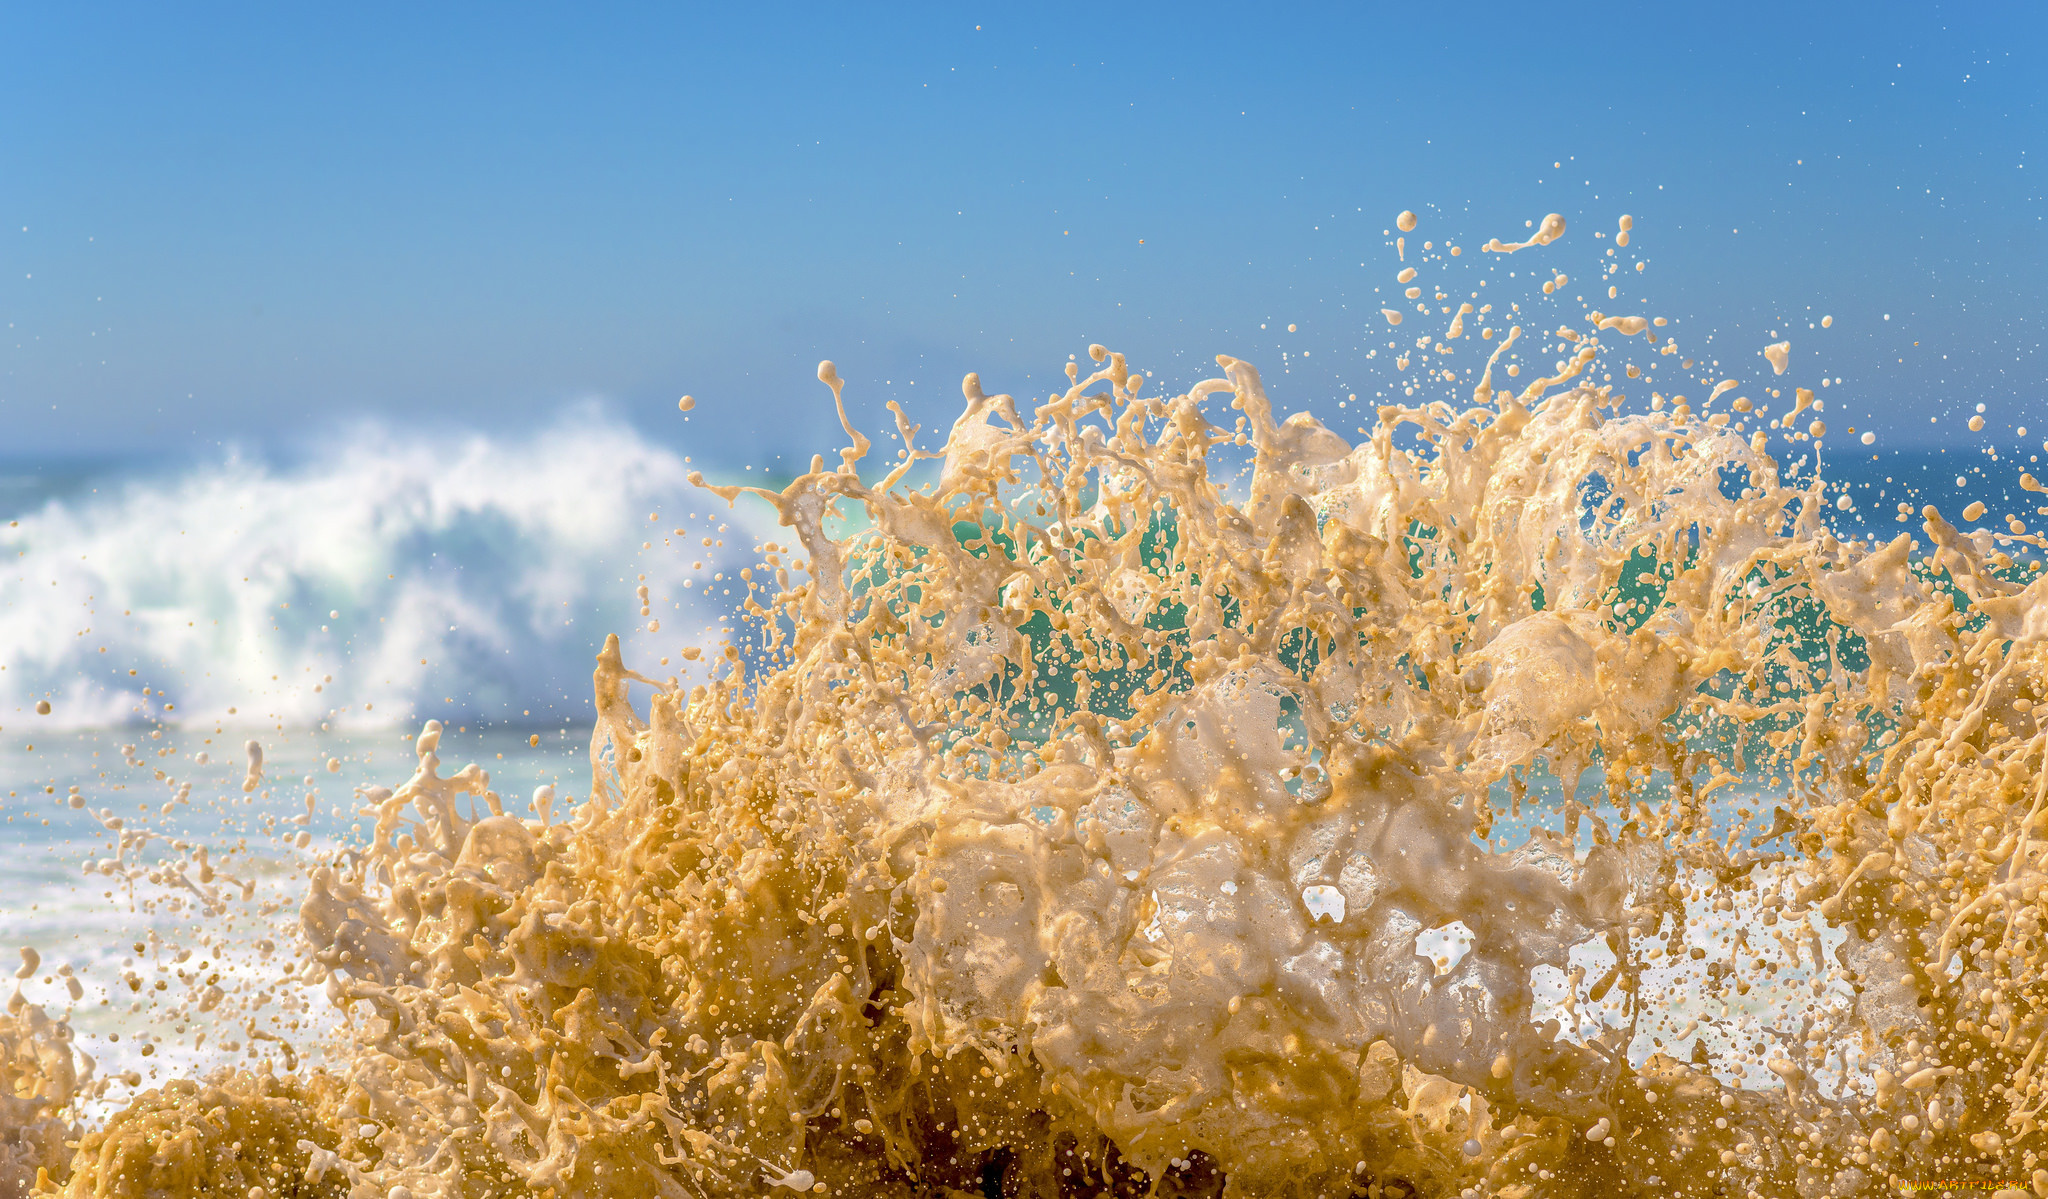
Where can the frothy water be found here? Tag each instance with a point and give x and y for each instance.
(387, 575)
(1545, 793)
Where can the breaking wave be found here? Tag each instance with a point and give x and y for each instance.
(356, 585)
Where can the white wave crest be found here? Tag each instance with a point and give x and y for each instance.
(471, 577)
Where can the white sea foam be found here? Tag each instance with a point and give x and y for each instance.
(385, 560)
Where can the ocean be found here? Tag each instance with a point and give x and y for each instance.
(324, 606)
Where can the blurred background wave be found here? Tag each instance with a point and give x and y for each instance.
(382, 576)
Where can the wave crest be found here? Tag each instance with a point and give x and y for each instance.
(337, 587)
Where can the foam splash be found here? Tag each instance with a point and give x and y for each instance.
(312, 592)
(1081, 825)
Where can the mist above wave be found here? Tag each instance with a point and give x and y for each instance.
(336, 587)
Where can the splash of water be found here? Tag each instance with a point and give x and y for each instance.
(1074, 827)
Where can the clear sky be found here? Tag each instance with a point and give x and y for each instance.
(256, 223)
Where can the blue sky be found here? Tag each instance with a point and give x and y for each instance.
(256, 224)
